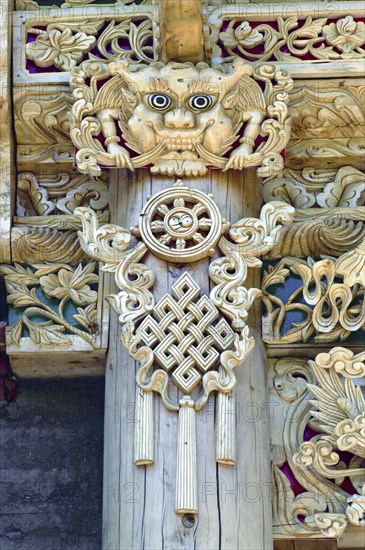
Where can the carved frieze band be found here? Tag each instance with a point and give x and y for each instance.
(50, 46)
(304, 37)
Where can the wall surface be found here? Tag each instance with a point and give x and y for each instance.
(51, 466)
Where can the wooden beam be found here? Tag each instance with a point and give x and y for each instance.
(181, 31)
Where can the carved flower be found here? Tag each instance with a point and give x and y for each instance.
(59, 48)
(71, 284)
(243, 35)
(345, 34)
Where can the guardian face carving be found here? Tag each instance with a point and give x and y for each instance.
(179, 118)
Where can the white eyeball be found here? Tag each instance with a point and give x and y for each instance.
(200, 102)
(159, 102)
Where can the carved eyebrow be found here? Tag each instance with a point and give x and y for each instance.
(203, 86)
(158, 85)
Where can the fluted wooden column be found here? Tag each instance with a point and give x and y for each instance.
(139, 501)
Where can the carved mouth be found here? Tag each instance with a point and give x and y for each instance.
(179, 144)
(181, 140)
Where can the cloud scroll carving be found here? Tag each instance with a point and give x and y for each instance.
(179, 118)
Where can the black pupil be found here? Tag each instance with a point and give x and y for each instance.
(200, 101)
(160, 100)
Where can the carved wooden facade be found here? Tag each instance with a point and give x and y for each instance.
(111, 104)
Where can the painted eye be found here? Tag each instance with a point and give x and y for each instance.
(159, 102)
(200, 102)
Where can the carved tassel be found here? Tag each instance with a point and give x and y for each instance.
(226, 429)
(144, 428)
(186, 470)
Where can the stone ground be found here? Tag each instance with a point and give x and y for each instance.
(51, 441)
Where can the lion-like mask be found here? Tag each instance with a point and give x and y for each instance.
(179, 118)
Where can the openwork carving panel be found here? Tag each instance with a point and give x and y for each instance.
(179, 118)
(58, 41)
(185, 332)
(300, 35)
(43, 323)
(318, 442)
(329, 299)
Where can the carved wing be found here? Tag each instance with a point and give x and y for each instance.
(245, 96)
(116, 94)
(340, 407)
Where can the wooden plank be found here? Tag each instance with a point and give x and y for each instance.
(352, 538)
(58, 364)
(315, 544)
(283, 545)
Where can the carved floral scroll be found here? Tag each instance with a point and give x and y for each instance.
(57, 281)
(318, 444)
(292, 35)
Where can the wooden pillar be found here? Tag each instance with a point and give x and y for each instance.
(139, 502)
(181, 31)
(7, 168)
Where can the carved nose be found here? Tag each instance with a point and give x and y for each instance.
(179, 118)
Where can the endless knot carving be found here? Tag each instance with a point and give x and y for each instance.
(184, 332)
(181, 224)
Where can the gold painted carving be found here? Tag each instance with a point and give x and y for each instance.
(179, 117)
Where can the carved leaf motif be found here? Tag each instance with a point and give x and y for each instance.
(18, 274)
(20, 295)
(92, 193)
(72, 284)
(14, 333)
(59, 48)
(32, 198)
(87, 317)
(46, 333)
